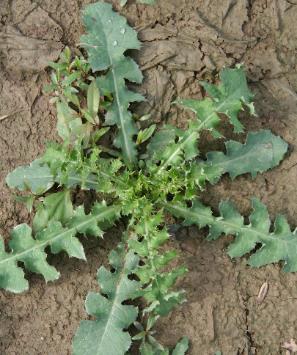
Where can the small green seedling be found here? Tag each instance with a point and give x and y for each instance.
(148, 175)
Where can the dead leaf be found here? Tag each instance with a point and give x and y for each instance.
(263, 292)
(290, 346)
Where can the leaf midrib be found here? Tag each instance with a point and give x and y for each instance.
(44, 244)
(113, 307)
(250, 228)
(229, 159)
(121, 117)
(183, 143)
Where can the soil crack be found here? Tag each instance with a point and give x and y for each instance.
(250, 344)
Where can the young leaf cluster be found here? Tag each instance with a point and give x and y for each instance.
(145, 177)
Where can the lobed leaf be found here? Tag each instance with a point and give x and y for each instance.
(108, 38)
(228, 98)
(261, 152)
(31, 250)
(157, 283)
(38, 177)
(106, 334)
(171, 146)
(35, 177)
(280, 244)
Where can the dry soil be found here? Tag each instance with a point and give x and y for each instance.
(183, 41)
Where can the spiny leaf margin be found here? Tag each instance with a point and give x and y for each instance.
(261, 152)
(31, 250)
(280, 244)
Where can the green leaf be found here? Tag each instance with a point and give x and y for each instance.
(278, 245)
(152, 347)
(157, 283)
(183, 147)
(93, 99)
(108, 38)
(70, 167)
(181, 347)
(99, 133)
(55, 207)
(69, 79)
(206, 114)
(31, 250)
(261, 152)
(69, 125)
(228, 98)
(161, 140)
(88, 116)
(106, 334)
(145, 134)
(35, 177)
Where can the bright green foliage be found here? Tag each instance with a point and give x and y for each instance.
(227, 98)
(171, 146)
(108, 38)
(93, 100)
(261, 152)
(36, 177)
(278, 245)
(69, 78)
(76, 120)
(146, 243)
(71, 167)
(106, 334)
(145, 134)
(31, 250)
(175, 145)
(166, 178)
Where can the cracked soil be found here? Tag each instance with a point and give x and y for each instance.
(184, 41)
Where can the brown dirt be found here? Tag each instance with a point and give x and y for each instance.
(183, 41)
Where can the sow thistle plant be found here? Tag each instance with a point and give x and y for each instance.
(143, 178)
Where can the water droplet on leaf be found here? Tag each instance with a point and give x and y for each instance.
(115, 43)
(123, 30)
